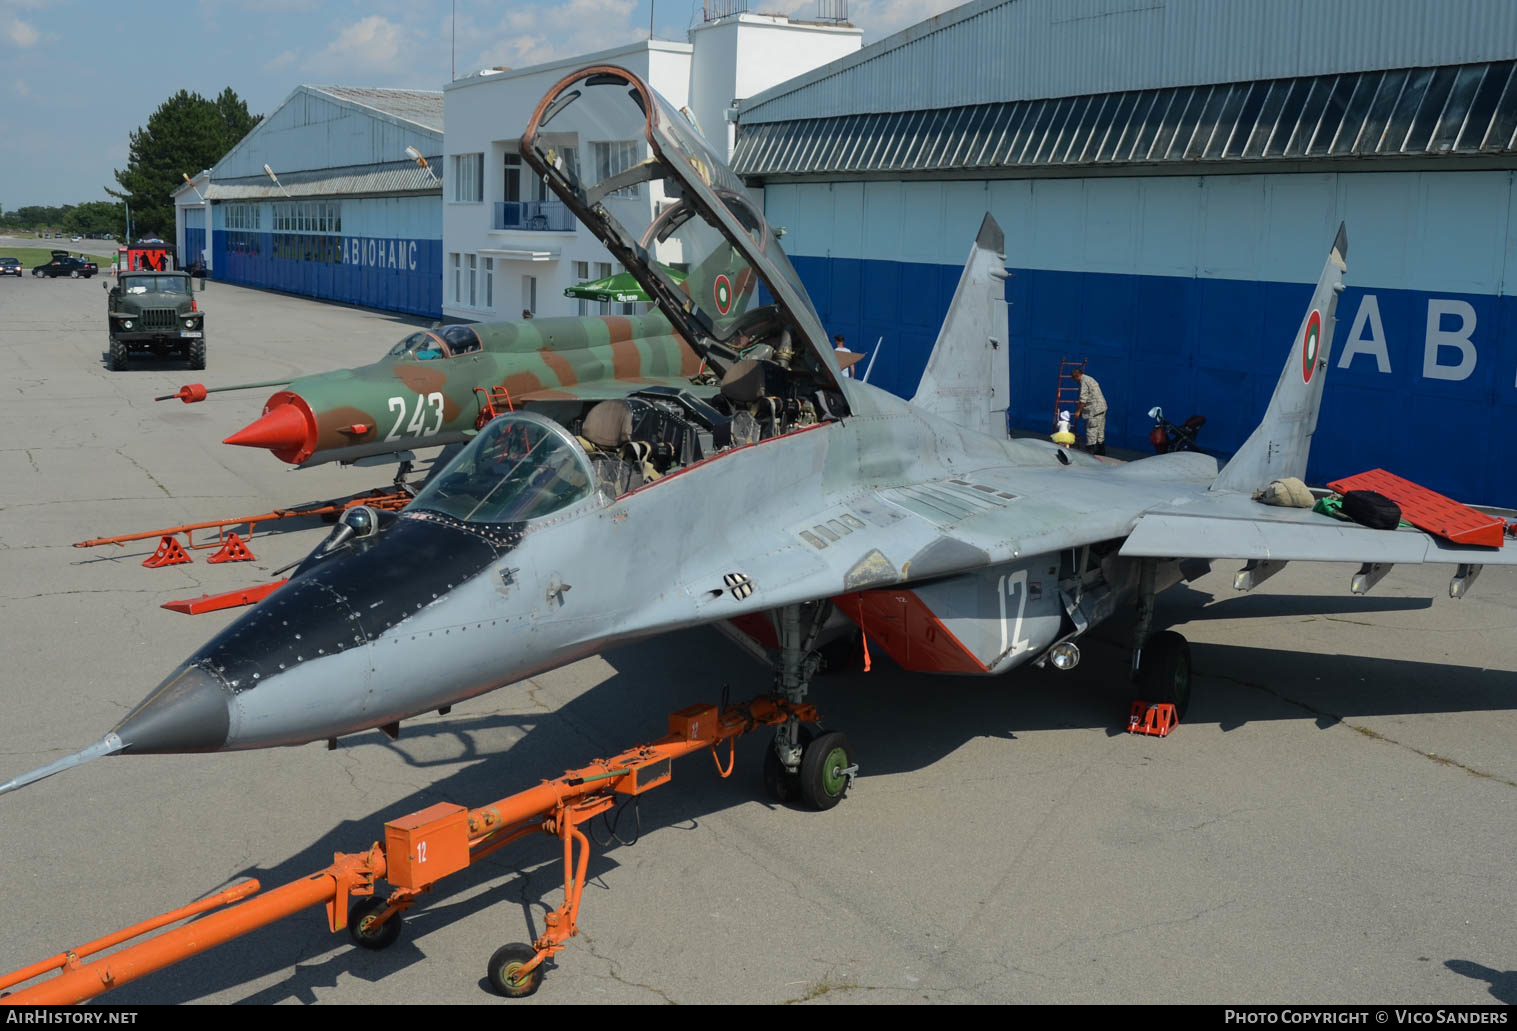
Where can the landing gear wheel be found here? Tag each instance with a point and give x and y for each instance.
(823, 779)
(783, 785)
(504, 972)
(197, 354)
(1165, 675)
(361, 927)
(118, 356)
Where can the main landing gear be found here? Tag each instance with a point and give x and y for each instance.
(801, 764)
(1160, 662)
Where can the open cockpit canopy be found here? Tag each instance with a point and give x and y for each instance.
(641, 177)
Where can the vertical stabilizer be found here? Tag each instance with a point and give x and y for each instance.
(968, 375)
(1280, 444)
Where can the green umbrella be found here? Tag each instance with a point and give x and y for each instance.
(621, 288)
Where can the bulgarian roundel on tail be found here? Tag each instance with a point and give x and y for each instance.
(1279, 446)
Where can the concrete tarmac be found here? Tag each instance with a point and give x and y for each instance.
(1334, 823)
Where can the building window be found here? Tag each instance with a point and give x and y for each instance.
(242, 216)
(468, 178)
(614, 158)
(602, 270)
(529, 294)
(473, 276)
(453, 263)
(316, 216)
(490, 283)
(582, 275)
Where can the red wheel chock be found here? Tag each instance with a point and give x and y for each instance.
(1157, 720)
(234, 550)
(169, 553)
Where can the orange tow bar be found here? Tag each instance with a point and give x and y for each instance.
(418, 851)
(388, 500)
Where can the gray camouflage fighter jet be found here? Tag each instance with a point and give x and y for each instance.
(793, 496)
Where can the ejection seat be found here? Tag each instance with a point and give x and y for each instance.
(620, 462)
(755, 415)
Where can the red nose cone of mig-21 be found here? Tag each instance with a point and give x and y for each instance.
(286, 428)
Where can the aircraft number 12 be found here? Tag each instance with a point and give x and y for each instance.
(1003, 594)
(417, 427)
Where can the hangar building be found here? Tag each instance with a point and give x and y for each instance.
(1170, 174)
(351, 217)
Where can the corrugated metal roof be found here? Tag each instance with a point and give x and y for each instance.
(423, 107)
(993, 51)
(388, 178)
(1409, 112)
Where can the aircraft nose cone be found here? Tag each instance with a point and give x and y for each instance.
(187, 713)
(286, 428)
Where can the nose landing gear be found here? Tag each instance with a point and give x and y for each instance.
(800, 764)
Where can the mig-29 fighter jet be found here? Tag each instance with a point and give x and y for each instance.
(792, 494)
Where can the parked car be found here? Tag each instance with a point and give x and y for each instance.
(74, 268)
(10, 267)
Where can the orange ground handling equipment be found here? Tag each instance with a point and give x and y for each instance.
(1066, 394)
(418, 851)
(389, 501)
(225, 600)
(1428, 510)
(1156, 720)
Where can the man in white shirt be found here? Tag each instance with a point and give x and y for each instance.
(845, 357)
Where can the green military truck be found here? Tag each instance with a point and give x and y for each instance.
(155, 311)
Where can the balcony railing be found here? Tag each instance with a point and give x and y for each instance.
(542, 215)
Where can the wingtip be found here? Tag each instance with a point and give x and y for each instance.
(108, 745)
(1340, 243)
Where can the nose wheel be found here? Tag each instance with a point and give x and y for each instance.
(821, 778)
(827, 771)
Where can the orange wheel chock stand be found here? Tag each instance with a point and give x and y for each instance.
(418, 851)
(234, 550)
(1157, 720)
(169, 553)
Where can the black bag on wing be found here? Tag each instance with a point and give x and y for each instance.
(1371, 508)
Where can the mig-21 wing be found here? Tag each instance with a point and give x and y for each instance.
(790, 495)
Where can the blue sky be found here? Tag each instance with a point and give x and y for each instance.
(77, 76)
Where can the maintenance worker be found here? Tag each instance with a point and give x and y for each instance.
(1092, 407)
(841, 352)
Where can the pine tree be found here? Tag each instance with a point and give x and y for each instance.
(186, 134)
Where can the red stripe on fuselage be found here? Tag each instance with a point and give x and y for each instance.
(914, 636)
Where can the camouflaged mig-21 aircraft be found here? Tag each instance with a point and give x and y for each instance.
(436, 386)
(797, 494)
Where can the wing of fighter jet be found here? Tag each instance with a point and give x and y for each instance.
(789, 498)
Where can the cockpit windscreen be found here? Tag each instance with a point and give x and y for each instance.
(521, 466)
(444, 342)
